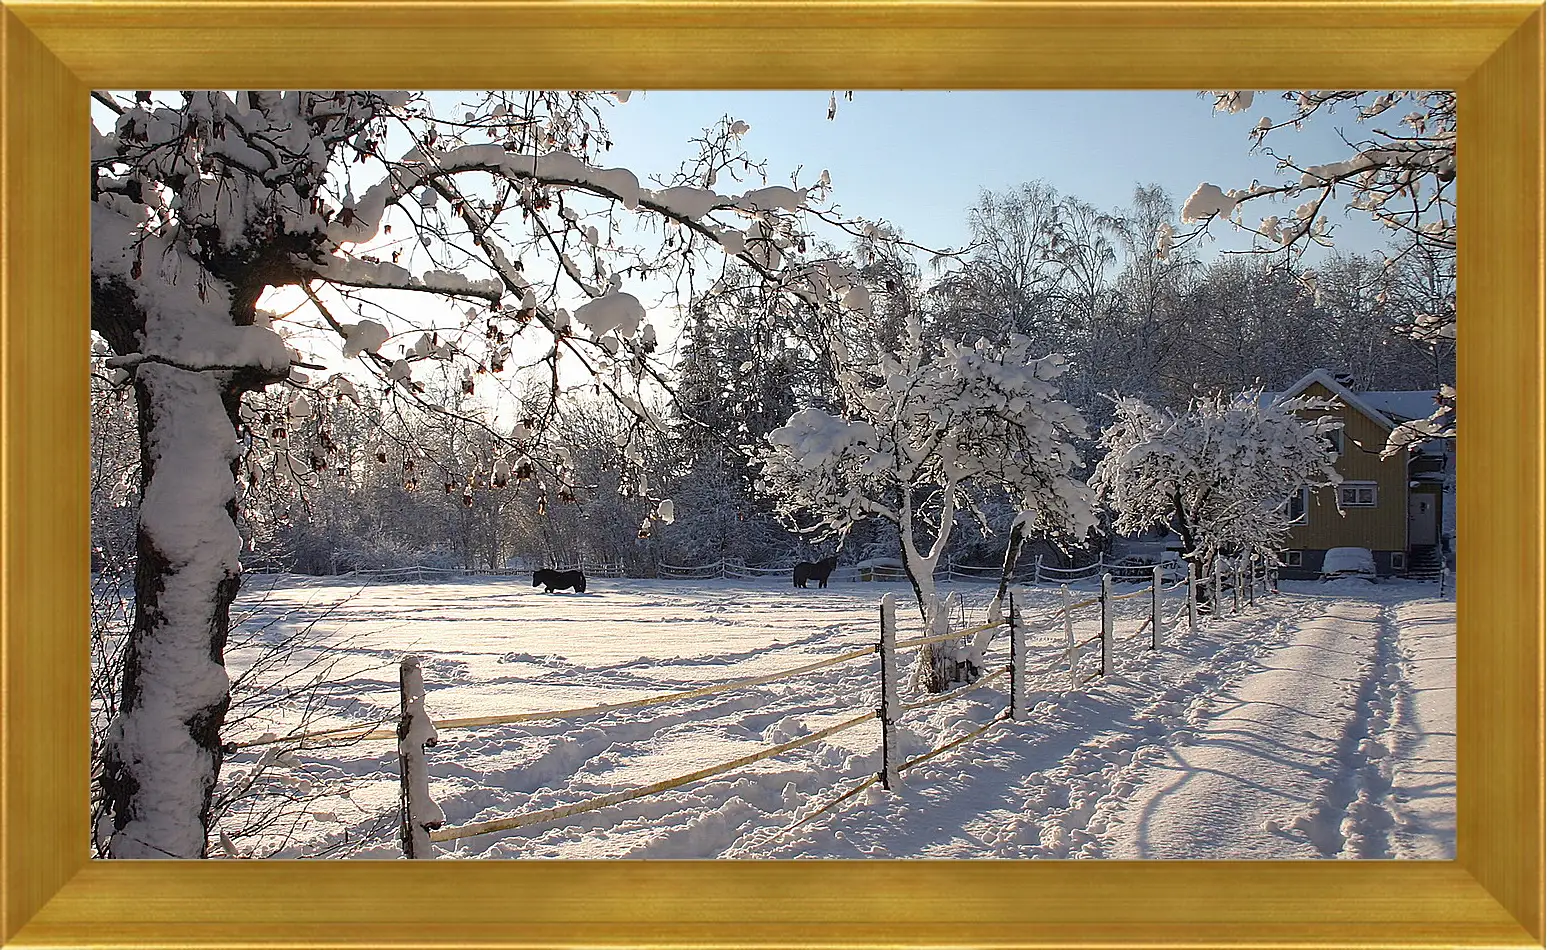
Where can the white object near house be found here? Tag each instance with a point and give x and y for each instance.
(1348, 562)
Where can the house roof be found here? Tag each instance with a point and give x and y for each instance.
(1345, 395)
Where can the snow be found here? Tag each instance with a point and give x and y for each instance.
(1422, 735)
(367, 336)
(615, 311)
(1207, 200)
(1404, 406)
(1317, 723)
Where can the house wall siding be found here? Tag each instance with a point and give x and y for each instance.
(1382, 528)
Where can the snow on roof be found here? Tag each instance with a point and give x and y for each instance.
(1404, 406)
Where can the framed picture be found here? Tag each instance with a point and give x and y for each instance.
(52, 894)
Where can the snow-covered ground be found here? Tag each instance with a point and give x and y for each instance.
(1317, 723)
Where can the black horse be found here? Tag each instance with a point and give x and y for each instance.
(559, 580)
(815, 571)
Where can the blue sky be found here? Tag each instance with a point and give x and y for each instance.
(918, 159)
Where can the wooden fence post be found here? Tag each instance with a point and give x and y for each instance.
(891, 704)
(1251, 580)
(1074, 679)
(1036, 572)
(1215, 606)
(1192, 597)
(415, 733)
(1106, 623)
(1235, 590)
(1155, 609)
(1017, 663)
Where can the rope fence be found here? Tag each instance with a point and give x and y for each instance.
(890, 709)
(627, 795)
(422, 822)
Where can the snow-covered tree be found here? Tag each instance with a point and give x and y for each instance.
(914, 435)
(1220, 474)
(212, 210)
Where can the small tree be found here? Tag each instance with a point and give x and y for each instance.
(914, 435)
(1220, 474)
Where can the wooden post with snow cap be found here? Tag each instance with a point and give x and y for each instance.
(1106, 623)
(1036, 571)
(1192, 597)
(891, 703)
(1017, 662)
(1155, 585)
(1215, 606)
(1251, 580)
(1074, 679)
(415, 733)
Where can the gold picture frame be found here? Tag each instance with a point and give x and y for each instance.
(55, 51)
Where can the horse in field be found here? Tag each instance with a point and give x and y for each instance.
(815, 571)
(560, 580)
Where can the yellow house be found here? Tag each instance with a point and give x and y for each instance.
(1392, 506)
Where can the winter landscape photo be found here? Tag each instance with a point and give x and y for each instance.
(606, 474)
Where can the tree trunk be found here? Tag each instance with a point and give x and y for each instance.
(1012, 554)
(163, 752)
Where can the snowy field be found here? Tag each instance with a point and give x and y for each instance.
(1317, 723)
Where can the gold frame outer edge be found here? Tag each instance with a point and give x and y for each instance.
(51, 895)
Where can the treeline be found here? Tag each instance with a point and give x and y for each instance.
(339, 481)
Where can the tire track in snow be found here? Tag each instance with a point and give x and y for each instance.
(1275, 771)
(1069, 808)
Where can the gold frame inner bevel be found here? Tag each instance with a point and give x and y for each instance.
(55, 51)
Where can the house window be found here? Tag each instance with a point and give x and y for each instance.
(1299, 507)
(1398, 561)
(1293, 559)
(1356, 495)
(1335, 439)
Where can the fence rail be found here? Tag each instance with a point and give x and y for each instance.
(887, 713)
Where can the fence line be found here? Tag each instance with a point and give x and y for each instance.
(734, 568)
(422, 820)
(626, 795)
(365, 733)
(886, 713)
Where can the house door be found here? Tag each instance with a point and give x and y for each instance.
(1423, 517)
